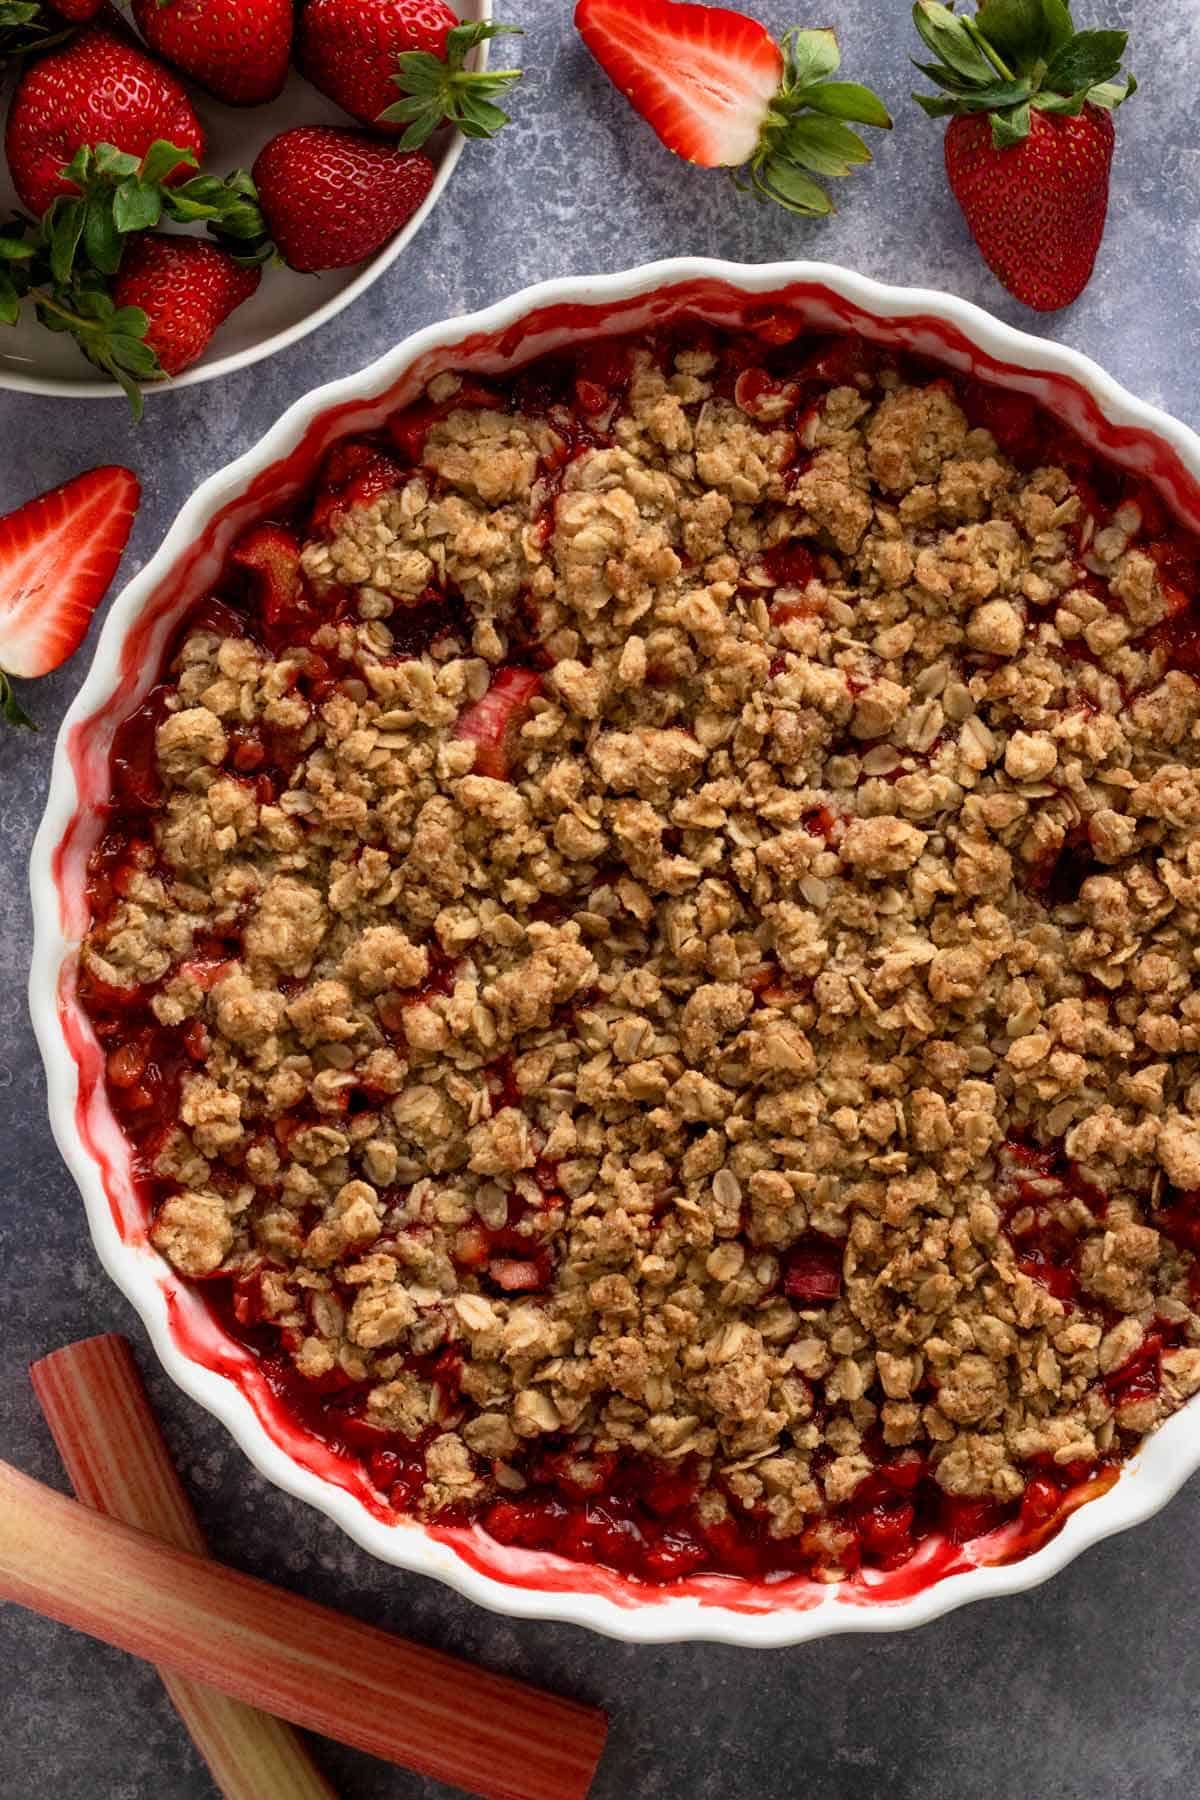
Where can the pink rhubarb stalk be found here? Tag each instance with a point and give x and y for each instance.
(112, 1449)
(303, 1662)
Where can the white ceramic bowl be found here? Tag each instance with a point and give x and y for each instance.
(287, 306)
(221, 1375)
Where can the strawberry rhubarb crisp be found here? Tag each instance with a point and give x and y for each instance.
(646, 947)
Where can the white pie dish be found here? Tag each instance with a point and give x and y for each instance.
(287, 305)
(219, 1374)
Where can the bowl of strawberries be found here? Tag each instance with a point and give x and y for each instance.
(202, 184)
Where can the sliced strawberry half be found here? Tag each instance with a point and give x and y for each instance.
(719, 91)
(495, 721)
(58, 554)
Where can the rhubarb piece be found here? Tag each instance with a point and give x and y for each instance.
(112, 1449)
(495, 721)
(303, 1662)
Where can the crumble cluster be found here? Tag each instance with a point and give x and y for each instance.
(762, 951)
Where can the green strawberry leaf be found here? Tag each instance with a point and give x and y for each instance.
(10, 300)
(848, 100)
(101, 239)
(937, 106)
(1089, 58)
(1110, 94)
(781, 181)
(11, 709)
(438, 92)
(65, 223)
(809, 56)
(1018, 29)
(162, 157)
(137, 205)
(1059, 24)
(948, 37)
(1010, 127)
(825, 146)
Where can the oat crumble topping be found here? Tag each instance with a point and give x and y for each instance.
(647, 948)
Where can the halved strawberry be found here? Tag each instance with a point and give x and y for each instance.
(719, 91)
(495, 721)
(58, 554)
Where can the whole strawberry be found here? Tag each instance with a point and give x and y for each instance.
(366, 55)
(332, 196)
(1030, 142)
(95, 89)
(186, 287)
(238, 49)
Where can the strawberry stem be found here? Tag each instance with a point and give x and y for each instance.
(447, 92)
(805, 133)
(11, 710)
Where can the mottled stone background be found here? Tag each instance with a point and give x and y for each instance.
(1085, 1688)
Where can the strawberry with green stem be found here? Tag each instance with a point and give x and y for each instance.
(1030, 141)
(98, 88)
(719, 91)
(70, 265)
(359, 52)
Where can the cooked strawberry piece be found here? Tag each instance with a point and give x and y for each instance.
(409, 427)
(812, 1270)
(602, 373)
(134, 755)
(494, 723)
(58, 554)
(528, 1524)
(886, 1530)
(272, 553)
(905, 1471)
(1041, 1500)
(1013, 419)
(1139, 1377)
(962, 1517)
(353, 474)
(776, 328)
(673, 1555)
(1057, 1278)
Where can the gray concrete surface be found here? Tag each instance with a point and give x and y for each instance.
(1084, 1690)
